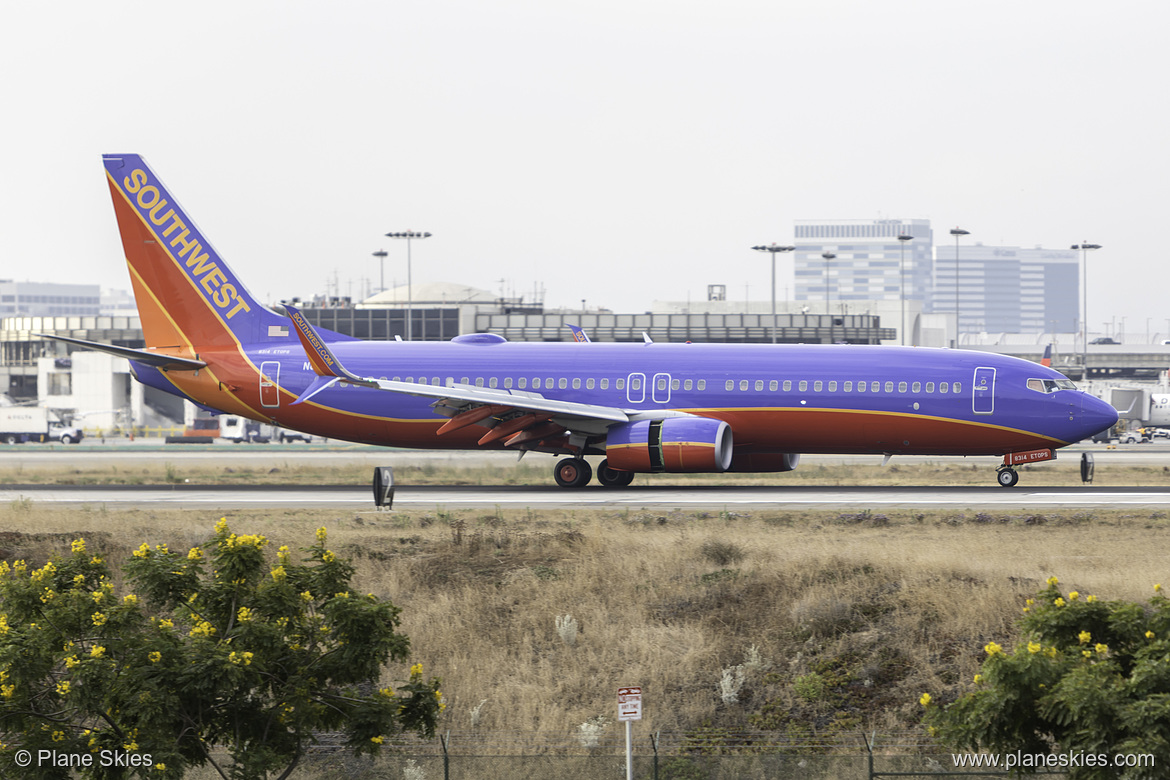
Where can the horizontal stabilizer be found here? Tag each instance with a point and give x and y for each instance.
(156, 359)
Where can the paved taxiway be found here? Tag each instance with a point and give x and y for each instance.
(199, 497)
(211, 498)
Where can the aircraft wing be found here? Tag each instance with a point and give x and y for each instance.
(522, 417)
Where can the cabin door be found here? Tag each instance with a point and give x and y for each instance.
(269, 379)
(983, 389)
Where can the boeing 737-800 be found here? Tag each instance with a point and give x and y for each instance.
(642, 407)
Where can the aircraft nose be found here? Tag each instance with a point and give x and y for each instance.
(1096, 415)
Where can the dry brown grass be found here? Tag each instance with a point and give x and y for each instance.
(852, 616)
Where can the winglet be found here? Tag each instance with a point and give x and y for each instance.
(326, 365)
(1047, 359)
(579, 333)
(321, 358)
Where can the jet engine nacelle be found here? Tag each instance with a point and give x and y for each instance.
(675, 444)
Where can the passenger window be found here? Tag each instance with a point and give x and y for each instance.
(689, 384)
(674, 384)
(803, 385)
(861, 387)
(930, 387)
(957, 387)
(450, 381)
(875, 386)
(773, 385)
(492, 382)
(589, 383)
(817, 385)
(535, 383)
(901, 387)
(759, 385)
(847, 387)
(787, 385)
(576, 384)
(635, 383)
(889, 387)
(702, 384)
(522, 382)
(620, 384)
(729, 385)
(942, 387)
(917, 388)
(605, 384)
(397, 379)
(743, 384)
(548, 383)
(833, 386)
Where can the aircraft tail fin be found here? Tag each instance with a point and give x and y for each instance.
(187, 295)
(1047, 359)
(579, 333)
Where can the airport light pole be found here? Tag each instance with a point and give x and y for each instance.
(956, 232)
(773, 249)
(409, 235)
(1084, 249)
(828, 257)
(381, 255)
(902, 239)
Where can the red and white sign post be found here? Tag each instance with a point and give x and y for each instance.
(629, 710)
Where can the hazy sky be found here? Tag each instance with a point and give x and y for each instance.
(620, 152)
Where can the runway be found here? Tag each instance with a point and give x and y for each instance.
(987, 497)
(207, 498)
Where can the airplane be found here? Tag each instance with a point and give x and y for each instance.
(644, 408)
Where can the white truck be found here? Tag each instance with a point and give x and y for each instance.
(19, 424)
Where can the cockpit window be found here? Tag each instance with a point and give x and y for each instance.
(1050, 385)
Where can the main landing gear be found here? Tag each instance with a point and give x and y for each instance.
(575, 473)
(1006, 476)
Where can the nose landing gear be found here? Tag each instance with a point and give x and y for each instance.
(1007, 476)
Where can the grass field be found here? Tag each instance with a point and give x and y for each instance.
(800, 622)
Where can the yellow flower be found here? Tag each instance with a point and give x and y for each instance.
(241, 659)
(129, 599)
(1059, 601)
(78, 546)
(99, 619)
(97, 651)
(1073, 595)
(244, 615)
(978, 679)
(71, 662)
(203, 628)
(279, 574)
(1050, 651)
(1052, 581)
(387, 692)
(1085, 637)
(1090, 598)
(221, 526)
(63, 687)
(1033, 647)
(160, 766)
(58, 736)
(1101, 649)
(1087, 653)
(328, 556)
(306, 596)
(416, 669)
(376, 740)
(1158, 588)
(991, 648)
(1149, 635)
(168, 623)
(7, 691)
(194, 554)
(321, 534)
(142, 551)
(924, 700)
(155, 656)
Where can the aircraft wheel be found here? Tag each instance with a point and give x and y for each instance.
(612, 477)
(1007, 477)
(572, 473)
